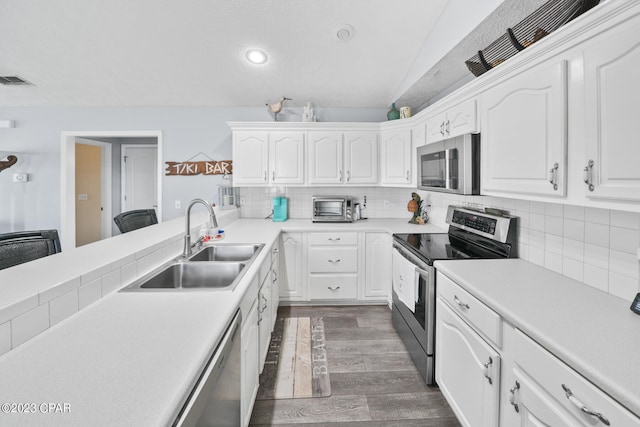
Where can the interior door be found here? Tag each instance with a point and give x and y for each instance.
(139, 177)
(88, 194)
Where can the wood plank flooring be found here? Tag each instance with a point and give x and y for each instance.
(373, 380)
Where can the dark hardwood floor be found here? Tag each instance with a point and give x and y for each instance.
(373, 380)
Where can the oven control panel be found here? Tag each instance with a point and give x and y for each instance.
(475, 221)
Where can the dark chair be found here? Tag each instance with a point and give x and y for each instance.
(24, 246)
(132, 220)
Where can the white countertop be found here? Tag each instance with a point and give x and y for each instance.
(592, 331)
(131, 358)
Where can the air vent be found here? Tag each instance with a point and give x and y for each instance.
(14, 81)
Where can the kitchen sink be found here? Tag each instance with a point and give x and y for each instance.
(227, 252)
(187, 275)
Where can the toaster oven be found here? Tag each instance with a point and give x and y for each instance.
(333, 209)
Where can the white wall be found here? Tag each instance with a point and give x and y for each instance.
(187, 131)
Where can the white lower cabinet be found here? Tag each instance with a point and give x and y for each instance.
(249, 363)
(264, 320)
(333, 266)
(467, 370)
(275, 283)
(377, 277)
(292, 287)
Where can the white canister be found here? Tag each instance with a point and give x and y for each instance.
(405, 112)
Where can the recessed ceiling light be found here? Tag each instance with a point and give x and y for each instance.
(256, 56)
(344, 32)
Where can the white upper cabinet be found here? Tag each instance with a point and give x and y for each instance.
(361, 157)
(250, 158)
(455, 121)
(396, 157)
(612, 96)
(524, 136)
(286, 157)
(325, 157)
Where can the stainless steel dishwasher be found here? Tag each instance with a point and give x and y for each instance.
(215, 400)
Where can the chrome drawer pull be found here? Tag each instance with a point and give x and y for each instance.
(486, 370)
(553, 176)
(460, 303)
(574, 400)
(333, 288)
(333, 261)
(512, 398)
(587, 175)
(331, 239)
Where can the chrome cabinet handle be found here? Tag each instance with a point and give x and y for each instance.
(340, 175)
(512, 398)
(553, 176)
(333, 288)
(334, 239)
(273, 175)
(276, 250)
(442, 128)
(265, 176)
(348, 176)
(448, 127)
(274, 276)
(333, 261)
(578, 404)
(460, 303)
(587, 175)
(408, 173)
(486, 370)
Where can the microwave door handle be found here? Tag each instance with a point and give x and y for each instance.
(447, 169)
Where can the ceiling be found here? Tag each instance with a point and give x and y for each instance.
(192, 52)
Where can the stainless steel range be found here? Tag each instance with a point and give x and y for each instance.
(471, 235)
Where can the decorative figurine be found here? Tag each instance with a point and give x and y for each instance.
(277, 107)
(308, 115)
(415, 206)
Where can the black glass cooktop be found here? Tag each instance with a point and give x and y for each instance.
(432, 247)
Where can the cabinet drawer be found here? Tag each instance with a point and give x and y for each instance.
(333, 260)
(333, 287)
(333, 239)
(551, 374)
(481, 317)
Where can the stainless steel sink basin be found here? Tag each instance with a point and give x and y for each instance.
(227, 252)
(187, 275)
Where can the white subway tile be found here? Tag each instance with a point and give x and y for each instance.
(574, 212)
(11, 311)
(554, 209)
(523, 251)
(573, 249)
(128, 273)
(597, 256)
(553, 244)
(573, 269)
(523, 235)
(58, 290)
(624, 263)
(524, 219)
(92, 275)
(625, 219)
(523, 205)
(111, 282)
(538, 207)
(29, 325)
(596, 277)
(596, 215)
(89, 293)
(5, 337)
(536, 221)
(553, 225)
(536, 239)
(596, 234)
(573, 229)
(63, 307)
(553, 262)
(624, 239)
(536, 255)
(623, 286)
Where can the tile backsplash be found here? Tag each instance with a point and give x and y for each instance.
(598, 247)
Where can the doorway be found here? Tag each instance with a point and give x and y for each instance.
(139, 177)
(68, 192)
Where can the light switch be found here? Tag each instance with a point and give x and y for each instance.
(83, 197)
(20, 177)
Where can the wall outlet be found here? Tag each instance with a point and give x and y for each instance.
(385, 203)
(20, 177)
(178, 204)
(243, 201)
(83, 197)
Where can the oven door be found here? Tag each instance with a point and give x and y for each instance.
(420, 320)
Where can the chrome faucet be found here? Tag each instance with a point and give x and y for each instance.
(187, 218)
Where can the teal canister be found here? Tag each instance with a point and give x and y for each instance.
(280, 209)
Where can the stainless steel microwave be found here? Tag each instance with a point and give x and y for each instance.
(333, 209)
(451, 166)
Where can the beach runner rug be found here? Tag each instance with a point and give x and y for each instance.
(296, 364)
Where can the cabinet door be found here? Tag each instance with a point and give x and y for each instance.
(291, 278)
(396, 157)
(361, 157)
(467, 370)
(275, 284)
(612, 94)
(249, 363)
(286, 157)
(523, 140)
(377, 282)
(325, 157)
(264, 320)
(435, 128)
(250, 158)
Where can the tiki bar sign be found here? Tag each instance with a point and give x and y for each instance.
(202, 167)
